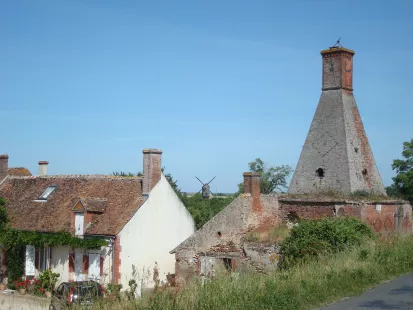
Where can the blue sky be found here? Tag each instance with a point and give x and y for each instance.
(87, 84)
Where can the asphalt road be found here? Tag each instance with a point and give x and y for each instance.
(395, 294)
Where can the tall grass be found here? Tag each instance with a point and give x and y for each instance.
(307, 285)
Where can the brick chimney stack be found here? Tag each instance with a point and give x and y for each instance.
(337, 68)
(4, 165)
(252, 186)
(151, 169)
(43, 167)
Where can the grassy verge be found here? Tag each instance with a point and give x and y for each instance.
(305, 286)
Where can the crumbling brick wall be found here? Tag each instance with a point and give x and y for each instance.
(382, 216)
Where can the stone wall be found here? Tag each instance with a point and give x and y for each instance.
(222, 240)
(223, 235)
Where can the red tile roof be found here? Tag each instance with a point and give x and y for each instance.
(118, 198)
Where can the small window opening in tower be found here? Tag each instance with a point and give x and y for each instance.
(364, 172)
(320, 172)
(356, 149)
(219, 234)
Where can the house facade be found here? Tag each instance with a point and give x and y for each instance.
(141, 218)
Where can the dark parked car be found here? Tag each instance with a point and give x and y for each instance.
(81, 293)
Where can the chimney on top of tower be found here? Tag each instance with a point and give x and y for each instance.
(4, 166)
(337, 68)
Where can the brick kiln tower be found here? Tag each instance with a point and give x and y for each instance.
(336, 156)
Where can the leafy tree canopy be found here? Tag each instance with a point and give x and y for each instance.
(403, 182)
(272, 178)
(202, 210)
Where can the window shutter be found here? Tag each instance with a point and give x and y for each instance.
(36, 259)
(72, 262)
(85, 264)
(102, 259)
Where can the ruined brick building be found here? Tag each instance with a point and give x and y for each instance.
(335, 163)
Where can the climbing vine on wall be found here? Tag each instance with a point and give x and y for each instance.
(10, 237)
(15, 262)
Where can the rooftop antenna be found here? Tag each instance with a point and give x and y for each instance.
(338, 44)
(206, 192)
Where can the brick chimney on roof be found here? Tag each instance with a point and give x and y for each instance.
(4, 165)
(152, 169)
(252, 186)
(43, 166)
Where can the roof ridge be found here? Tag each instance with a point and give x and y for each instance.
(73, 176)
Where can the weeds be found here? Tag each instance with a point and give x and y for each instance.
(308, 284)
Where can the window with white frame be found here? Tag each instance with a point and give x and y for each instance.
(79, 223)
(44, 259)
(94, 265)
(36, 259)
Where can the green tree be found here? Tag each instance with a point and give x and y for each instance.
(168, 176)
(403, 182)
(202, 210)
(272, 178)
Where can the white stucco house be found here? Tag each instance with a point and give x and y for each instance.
(141, 218)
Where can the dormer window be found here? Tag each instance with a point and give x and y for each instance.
(47, 192)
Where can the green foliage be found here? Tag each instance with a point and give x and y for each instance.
(13, 237)
(364, 254)
(403, 182)
(15, 264)
(113, 290)
(313, 238)
(10, 237)
(305, 286)
(168, 176)
(4, 221)
(48, 280)
(272, 178)
(132, 288)
(393, 191)
(174, 183)
(202, 210)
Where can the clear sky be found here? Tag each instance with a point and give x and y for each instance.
(87, 84)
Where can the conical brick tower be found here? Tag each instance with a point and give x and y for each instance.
(336, 156)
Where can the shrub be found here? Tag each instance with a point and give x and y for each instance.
(113, 290)
(49, 279)
(313, 238)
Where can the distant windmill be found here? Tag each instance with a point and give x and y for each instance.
(206, 192)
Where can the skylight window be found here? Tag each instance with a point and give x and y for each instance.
(47, 192)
